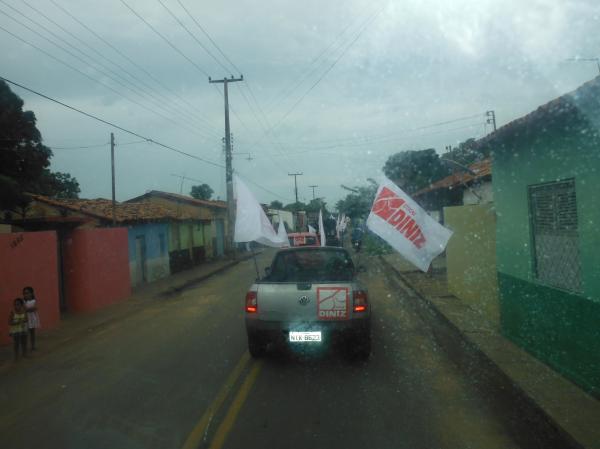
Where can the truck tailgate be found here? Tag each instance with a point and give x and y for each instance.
(293, 302)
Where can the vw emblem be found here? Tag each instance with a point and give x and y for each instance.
(303, 300)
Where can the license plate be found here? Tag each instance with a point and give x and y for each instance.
(303, 337)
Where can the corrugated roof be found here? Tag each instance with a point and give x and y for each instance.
(179, 197)
(480, 169)
(124, 212)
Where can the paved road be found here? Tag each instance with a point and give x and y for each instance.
(178, 375)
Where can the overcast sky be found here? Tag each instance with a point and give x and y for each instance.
(401, 66)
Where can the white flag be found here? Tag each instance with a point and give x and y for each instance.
(251, 222)
(282, 233)
(401, 222)
(311, 229)
(322, 229)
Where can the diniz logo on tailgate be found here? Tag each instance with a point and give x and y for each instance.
(394, 210)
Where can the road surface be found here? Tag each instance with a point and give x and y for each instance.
(178, 375)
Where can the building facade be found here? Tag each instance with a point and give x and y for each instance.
(546, 168)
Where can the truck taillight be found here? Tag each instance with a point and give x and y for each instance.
(251, 302)
(361, 301)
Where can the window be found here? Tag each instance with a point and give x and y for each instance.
(312, 265)
(162, 244)
(553, 211)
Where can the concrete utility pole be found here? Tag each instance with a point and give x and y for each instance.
(313, 189)
(228, 166)
(295, 175)
(112, 169)
(491, 118)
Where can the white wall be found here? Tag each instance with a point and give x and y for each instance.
(484, 190)
(286, 216)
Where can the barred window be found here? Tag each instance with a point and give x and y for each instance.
(553, 211)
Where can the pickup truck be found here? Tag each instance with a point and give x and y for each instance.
(309, 296)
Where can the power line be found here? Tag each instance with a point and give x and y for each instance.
(351, 145)
(333, 64)
(50, 55)
(106, 122)
(208, 36)
(158, 97)
(135, 89)
(133, 133)
(166, 40)
(136, 65)
(193, 36)
(99, 145)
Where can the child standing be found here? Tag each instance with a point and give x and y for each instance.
(18, 327)
(33, 319)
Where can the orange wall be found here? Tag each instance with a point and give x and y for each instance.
(96, 266)
(29, 259)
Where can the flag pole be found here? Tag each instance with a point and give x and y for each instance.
(255, 262)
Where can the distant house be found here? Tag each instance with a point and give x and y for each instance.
(472, 186)
(276, 215)
(202, 236)
(546, 180)
(148, 227)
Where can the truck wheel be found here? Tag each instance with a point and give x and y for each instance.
(256, 346)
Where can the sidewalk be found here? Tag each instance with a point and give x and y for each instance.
(546, 398)
(73, 326)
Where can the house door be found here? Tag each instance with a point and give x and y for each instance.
(140, 259)
(220, 237)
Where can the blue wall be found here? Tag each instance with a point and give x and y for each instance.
(151, 232)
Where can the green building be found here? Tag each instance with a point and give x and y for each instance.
(546, 186)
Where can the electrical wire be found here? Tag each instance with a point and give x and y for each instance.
(137, 66)
(106, 122)
(72, 67)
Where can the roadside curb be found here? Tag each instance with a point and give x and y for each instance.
(192, 282)
(474, 361)
(109, 320)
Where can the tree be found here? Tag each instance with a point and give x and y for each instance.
(467, 152)
(24, 160)
(414, 170)
(293, 207)
(315, 205)
(202, 192)
(276, 205)
(358, 204)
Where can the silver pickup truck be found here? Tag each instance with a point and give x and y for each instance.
(309, 296)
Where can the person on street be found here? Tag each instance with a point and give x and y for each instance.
(33, 319)
(18, 327)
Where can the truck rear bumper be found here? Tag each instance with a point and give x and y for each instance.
(331, 330)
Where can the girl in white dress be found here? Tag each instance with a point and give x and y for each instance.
(33, 319)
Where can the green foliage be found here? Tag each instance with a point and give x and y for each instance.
(358, 205)
(315, 205)
(374, 245)
(293, 207)
(414, 170)
(276, 205)
(24, 160)
(467, 152)
(202, 192)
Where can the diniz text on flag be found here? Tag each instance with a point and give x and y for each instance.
(400, 215)
(406, 227)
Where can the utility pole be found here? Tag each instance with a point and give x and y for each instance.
(491, 118)
(228, 166)
(313, 189)
(295, 175)
(112, 168)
